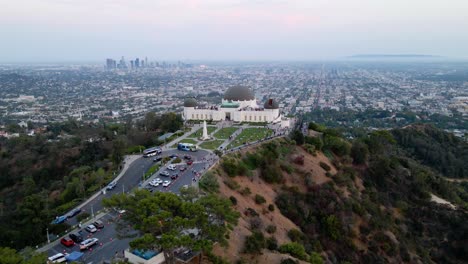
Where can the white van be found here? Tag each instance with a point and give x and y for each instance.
(57, 258)
(171, 167)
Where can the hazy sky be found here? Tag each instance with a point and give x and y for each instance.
(64, 30)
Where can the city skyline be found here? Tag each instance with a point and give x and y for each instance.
(230, 30)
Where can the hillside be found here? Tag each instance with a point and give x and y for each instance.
(362, 202)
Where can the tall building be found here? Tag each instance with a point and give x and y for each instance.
(122, 64)
(132, 64)
(137, 63)
(110, 64)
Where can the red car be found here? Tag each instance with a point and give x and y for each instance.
(190, 162)
(67, 242)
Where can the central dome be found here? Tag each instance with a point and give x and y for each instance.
(239, 93)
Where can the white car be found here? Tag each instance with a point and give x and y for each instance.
(154, 183)
(171, 167)
(91, 229)
(164, 173)
(57, 258)
(166, 183)
(158, 180)
(88, 243)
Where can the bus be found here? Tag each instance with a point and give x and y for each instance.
(186, 147)
(151, 152)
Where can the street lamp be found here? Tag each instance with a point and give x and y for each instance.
(48, 239)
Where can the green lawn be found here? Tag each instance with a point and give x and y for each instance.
(225, 132)
(249, 135)
(214, 144)
(199, 132)
(185, 140)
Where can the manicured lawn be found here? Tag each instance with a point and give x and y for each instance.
(249, 135)
(185, 140)
(225, 132)
(214, 144)
(199, 132)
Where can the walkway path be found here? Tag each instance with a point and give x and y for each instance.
(185, 135)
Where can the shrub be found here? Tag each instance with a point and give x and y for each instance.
(272, 243)
(233, 185)
(315, 258)
(229, 166)
(271, 173)
(250, 212)
(294, 249)
(296, 235)
(233, 200)
(134, 149)
(271, 207)
(177, 160)
(287, 168)
(82, 216)
(259, 199)
(245, 191)
(209, 182)
(325, 166)
(288, 261)
(271, 229)
(333, 227)
(254, 243)
(256, 223)
(314, 141)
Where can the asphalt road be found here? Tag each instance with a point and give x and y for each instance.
(110, 242)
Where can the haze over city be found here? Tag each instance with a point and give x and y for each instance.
(60, 30)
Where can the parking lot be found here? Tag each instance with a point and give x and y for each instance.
(112, 239)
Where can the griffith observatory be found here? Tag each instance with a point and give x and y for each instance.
(239, 105)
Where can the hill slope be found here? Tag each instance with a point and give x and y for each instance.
(336, 211)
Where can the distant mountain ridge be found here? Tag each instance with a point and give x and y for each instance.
(393, 56)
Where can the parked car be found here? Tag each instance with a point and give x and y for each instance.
(120, 211)
(91, 229)
(88, 243)
(66, 241)
(175, 176)
(183, 168)
(187, 157)
(157, 159)
(172, 156)
(164, 173)
(57, 258)
(111, 185)
(154, 183)
(166, 183)
(59, 219)
(73, 212)
(171, 167)
(190, 162)
(77, 238)
(98, 224)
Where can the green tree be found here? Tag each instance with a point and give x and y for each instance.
(171, 122)
(298, 137)
(254, 243)
(359, 152)
(165, 218)
(209, 182)
(294, 249)
(10, 256)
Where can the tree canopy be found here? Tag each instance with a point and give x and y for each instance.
(167, 221)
